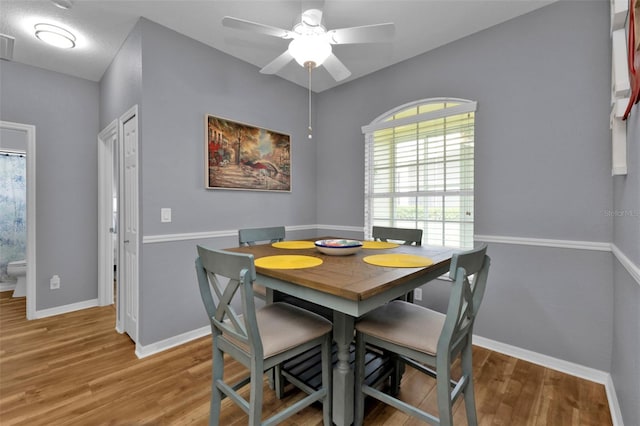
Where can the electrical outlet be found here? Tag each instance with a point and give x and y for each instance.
(54, 282)
(417, 294)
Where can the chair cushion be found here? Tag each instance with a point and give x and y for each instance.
(283, 326)
(405, 324)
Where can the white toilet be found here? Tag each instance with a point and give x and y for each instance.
(18, 269)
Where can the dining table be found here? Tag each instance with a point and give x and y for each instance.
(347, 285)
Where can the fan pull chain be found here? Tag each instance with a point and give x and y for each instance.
(310, 66)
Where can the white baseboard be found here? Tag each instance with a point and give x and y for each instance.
(567, 367)
(563, 366)
(143, 351)
(43, 313)
(614, 407)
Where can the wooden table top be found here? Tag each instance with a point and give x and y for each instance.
(350, 277)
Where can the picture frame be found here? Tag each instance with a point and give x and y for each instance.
(240, 156)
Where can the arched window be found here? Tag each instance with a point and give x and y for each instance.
(419, 170)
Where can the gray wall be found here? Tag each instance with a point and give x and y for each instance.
(543, 171)
(542, 132)
(64, 110)
(14, 140)
(121, 84)
(625, 364)
(626, 195)
(542, 167)
(182, 81)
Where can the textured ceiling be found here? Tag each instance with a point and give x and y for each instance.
(102, 26)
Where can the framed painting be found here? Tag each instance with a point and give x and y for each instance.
(241, 156)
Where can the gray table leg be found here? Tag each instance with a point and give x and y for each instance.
(343, 376)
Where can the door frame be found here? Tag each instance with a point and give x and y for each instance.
(124, 286)
(30, 133)
(107, 143)
(110, 139)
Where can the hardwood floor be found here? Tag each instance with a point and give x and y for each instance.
(75, 369)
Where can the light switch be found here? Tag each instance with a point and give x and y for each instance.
(165, 215)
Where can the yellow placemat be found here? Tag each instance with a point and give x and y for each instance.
(399, 260)
(288, 261)
(378, 245)
(294, 244)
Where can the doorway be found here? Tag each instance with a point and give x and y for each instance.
(118, 236)
(27, 134)
(107, 221)
(13, 214)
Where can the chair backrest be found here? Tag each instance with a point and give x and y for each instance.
(239, 270)
(469, 272)
(249, 237)
(408, 236)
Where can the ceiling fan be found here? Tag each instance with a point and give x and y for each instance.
(311, 42)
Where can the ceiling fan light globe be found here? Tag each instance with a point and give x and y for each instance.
(312, 48)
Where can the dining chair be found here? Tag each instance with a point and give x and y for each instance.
(253, 236)
(260, 339)
(406, 236)
(429, 341)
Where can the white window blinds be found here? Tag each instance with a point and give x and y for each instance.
(419, 161)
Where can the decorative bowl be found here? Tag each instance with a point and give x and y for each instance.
(338, 247)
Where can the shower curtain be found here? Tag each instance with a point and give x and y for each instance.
(13, 210)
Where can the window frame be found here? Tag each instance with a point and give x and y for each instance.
(386, 121)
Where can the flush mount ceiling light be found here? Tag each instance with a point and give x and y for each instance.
(55, 35)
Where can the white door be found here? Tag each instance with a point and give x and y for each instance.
(107, 144)
(129, 224)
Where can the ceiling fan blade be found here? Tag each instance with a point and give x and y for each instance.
(277, 64)
(336, 68)
(365, 34)
(241, 24)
